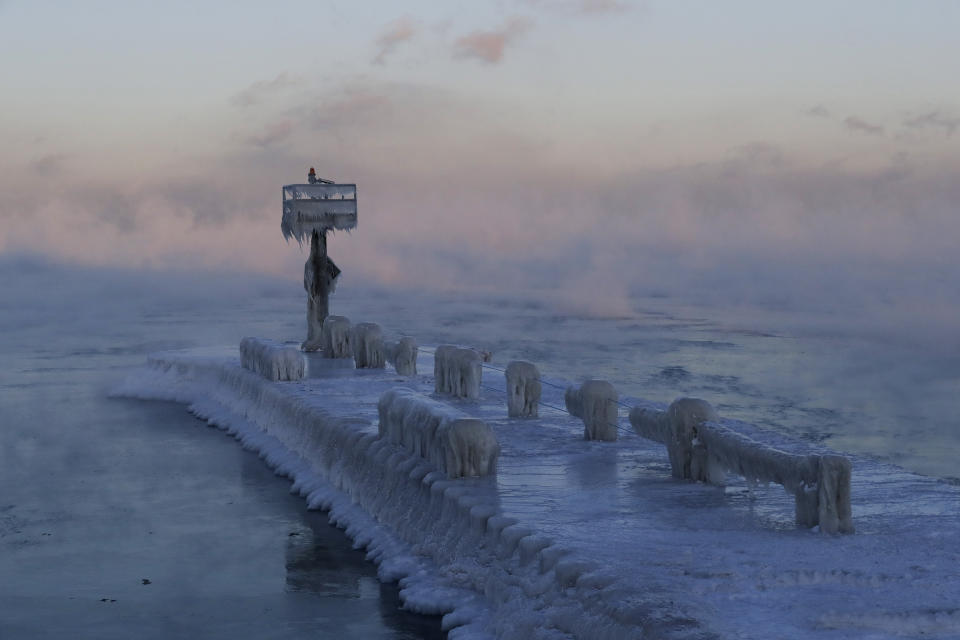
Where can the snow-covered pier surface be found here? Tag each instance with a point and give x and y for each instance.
(578, 538)
(272, 360)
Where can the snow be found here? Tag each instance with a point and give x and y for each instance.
(367, 341)
(523, 389)
(336, 337)
(596, 403)
(455, 443)
(457, 371)
(590, 539)
(402, 354)
(272, 360)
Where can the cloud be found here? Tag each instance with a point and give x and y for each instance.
(933, 119)
(854, 123)
(818, 111)
(488, 46)
(256, 92)
(272, 134)
(601, 6)
(50, 165)
(489, 205)
(581, 6)
(394, 34)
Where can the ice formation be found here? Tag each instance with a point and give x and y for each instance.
(402, 354)
(701, 447)
(596, 403)
(368, 350)
(309, 208)
(336, 337)
(272, 360)
(570, 540)
(457, 371)
(687, 456)
(834, 511)
(523, 389)
(455, 443)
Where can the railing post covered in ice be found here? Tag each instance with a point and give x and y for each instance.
(402, 354)
(367, 341)
(523, 389)
(595, 402)
(457, 371)
(701, 448)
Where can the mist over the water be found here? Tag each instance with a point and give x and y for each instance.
(886, 393)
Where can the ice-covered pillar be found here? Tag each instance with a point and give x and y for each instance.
(319, 279)
(688, 458)
(835, 513)
(310, 211)
(523, 389)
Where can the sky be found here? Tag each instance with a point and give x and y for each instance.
(791, 155)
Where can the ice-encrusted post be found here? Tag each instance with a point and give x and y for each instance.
(523, 389)
(310, 211)
(319, 280)
(367, 341)
(402, 354)
(595, 402)
(701, 447)
(834, 510)
(688, 456)
(457, 371)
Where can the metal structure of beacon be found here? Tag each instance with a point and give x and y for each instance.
(310, 211)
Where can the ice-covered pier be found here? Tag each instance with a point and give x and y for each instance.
(573, 537)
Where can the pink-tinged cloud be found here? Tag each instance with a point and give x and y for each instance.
(859, 125)
(935, 120)
(601, 6)
(261, 89)
(272, 134)
(580, 6)
(396, 33)
(489, 46)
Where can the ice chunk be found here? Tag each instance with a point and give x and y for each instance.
(596, 403)
(336, 337)
(368, 351)
(455, 443)
(402, 354)
(523, 389)
(457, 371)
(272, 360)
